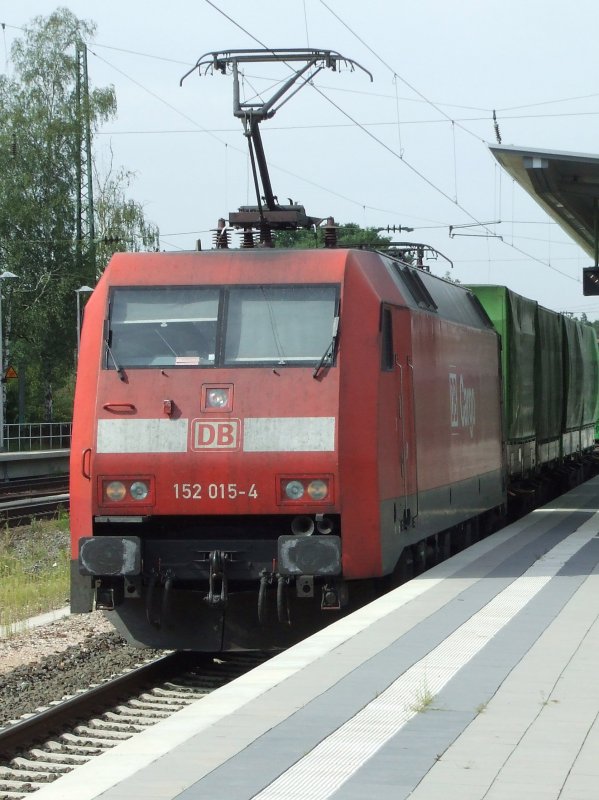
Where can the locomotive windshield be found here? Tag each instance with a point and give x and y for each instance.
(191, 326)
(279, 323)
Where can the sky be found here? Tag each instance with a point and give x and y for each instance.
(409, 148)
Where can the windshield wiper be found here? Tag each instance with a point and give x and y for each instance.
(329, 353)
(160, 336)
(120, 370)
(107, 336)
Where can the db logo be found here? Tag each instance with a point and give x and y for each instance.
(215, 434)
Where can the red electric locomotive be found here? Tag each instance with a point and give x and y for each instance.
(260, 435)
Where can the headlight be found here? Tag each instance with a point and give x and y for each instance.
(125, 490)
(217, 398)
(294, 490)
(306, 489)
(139, 490)
(115, 491)
(318, 490)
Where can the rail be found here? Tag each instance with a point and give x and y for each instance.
(119, 708)
(21, 512)
(38, 726)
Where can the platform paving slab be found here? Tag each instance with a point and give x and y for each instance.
(492, 689)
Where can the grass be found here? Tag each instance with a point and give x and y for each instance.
(546, 700)
(424, 699)
(34, 569)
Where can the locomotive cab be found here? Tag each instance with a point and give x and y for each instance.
(211, 471)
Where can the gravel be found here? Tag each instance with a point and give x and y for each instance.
(56, 660)
(50, 662)
(50, 542)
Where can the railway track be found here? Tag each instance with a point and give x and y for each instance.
(21, 512)
(22, 488)
(23, 499)
(40, 748)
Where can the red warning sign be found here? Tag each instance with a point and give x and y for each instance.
(10, 374)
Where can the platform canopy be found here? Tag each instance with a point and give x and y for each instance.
(565, 185)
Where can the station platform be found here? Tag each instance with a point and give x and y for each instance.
(476, 680)
(33, 464)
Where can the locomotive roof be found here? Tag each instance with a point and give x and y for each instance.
(450, 301)
(420, 289)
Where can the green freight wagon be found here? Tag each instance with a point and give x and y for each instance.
(549, 385)
(581, 378)
(514, 318)
(550, 366)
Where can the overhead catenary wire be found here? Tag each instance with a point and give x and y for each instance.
(534, 258)
(306, 25)
(241, 151)
(226, 145)
(361, 204)
(393, 71)
(385, 146)
(436, 103)
(401, 150)
(332, 125)
(345, 113)
(160, 99)
(369, 124)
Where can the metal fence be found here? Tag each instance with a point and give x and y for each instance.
(37, 436)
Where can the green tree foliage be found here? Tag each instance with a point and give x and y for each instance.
(40, 129)
(120, 221)
(348, 235)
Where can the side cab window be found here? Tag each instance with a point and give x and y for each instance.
(387, 353)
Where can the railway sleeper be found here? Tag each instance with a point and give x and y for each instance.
(132, 719)
(166, 707)
(9, 773)
(187, 683)
(112, 737)
(145, 711)
(114, 726)
(169, 701)
(8, 785)
(55, 758)
(118, 722)
(89, 739)
(66, 747)
(188, 695)
(40, 766)
(210, 682)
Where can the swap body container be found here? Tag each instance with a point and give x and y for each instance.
(550, 380)
(549, 385)
(514, 318)
(581, 379)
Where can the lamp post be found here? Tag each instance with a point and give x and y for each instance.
(3, 275)
(78, 292)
